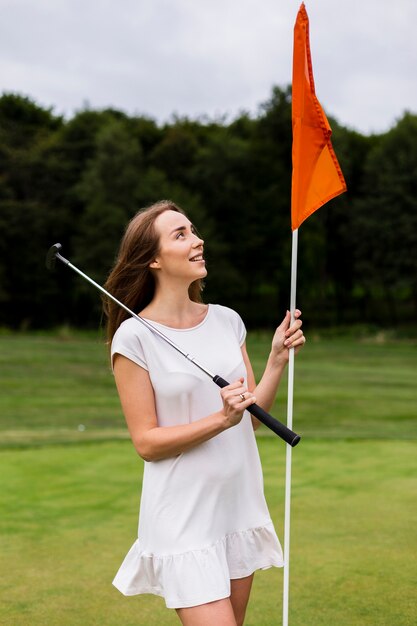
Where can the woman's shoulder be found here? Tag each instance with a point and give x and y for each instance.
(129, 329)
(230, 319)
(225, 311)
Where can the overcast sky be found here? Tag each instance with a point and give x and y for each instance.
(214, 57)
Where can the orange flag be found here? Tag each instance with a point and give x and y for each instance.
(316, 174)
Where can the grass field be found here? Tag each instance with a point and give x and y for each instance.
(70, 486)
(59, 388)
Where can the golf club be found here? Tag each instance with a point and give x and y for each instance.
(277, 427)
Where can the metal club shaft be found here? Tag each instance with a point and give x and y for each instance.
(277, 427)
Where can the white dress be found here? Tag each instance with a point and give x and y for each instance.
(203, 516)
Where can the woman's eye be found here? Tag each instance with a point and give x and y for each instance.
(180, 234)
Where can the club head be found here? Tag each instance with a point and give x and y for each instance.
(51, 256)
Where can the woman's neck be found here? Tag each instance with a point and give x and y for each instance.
(173, 307)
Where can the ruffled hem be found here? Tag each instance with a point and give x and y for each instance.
(199, 576)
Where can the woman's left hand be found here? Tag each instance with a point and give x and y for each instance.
(288, 336)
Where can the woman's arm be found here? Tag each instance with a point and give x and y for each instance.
(153, 442)
(285, 337)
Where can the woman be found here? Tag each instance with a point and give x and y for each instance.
(204, 527)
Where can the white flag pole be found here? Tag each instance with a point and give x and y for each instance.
(289, 448)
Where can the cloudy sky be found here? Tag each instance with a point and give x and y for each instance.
(214, 57)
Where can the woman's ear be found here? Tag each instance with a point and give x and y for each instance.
(155, 265)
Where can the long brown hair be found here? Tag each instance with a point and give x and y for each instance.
(131, 281)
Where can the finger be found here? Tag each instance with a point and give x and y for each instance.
(249, 399)
(299, 345)
(241, 393)
(296, 326)
(233, 391)
(244, 394)
(299, 342)
(294, 337)
(286, 321)
(233, 386)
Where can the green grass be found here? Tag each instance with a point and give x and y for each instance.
(57, 388)
(71, 515)
(53, 386)
(69, 512)
(350, 388)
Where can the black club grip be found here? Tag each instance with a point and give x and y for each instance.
(277, 427)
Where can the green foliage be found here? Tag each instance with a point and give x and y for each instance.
(107, 189)
(386, 220)
(79, 181)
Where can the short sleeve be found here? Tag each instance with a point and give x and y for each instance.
(127, 342)
(235, 321)
(240, 329)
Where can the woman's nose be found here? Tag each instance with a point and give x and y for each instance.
(198, 241)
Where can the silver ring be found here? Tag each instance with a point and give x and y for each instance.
(242, 395)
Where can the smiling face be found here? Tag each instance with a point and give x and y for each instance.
(180, 254)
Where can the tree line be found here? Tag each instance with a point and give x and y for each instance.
(78, 181)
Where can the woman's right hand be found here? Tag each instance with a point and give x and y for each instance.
(236, 398)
